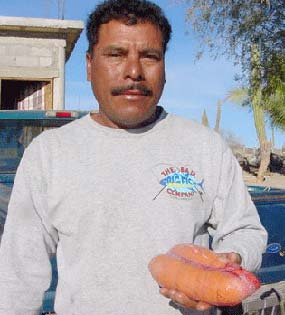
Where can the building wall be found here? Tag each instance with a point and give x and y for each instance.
(35, 59)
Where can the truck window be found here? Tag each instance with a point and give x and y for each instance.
(16, 135)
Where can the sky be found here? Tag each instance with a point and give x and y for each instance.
(192, 86)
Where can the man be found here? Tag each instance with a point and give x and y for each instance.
(115, 188)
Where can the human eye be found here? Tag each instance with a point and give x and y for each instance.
(114, 53)
(152, 55)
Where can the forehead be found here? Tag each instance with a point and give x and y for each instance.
(142, 34)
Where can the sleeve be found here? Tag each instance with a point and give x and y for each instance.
(235, 224)
(27, 243)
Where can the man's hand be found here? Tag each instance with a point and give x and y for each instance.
(231, 257)
(183, 300)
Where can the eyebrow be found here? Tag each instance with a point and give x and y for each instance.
(114, 48)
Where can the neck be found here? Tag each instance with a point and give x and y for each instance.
(102, 120)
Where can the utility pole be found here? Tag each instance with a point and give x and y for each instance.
(60, 6)
(46, 8)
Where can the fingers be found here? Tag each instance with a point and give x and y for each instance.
(181, 299)
(178, 297)
(232, 257)
(235, 258)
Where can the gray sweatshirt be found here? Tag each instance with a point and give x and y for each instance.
(107, 201)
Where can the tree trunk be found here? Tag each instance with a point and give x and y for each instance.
(258, 113)
(265, 149)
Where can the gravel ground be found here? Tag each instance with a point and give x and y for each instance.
(273, 180)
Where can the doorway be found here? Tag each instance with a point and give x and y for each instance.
(25, 94)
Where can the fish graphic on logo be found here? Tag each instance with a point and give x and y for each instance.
(181, 183)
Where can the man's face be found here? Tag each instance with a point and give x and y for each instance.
(127, 73)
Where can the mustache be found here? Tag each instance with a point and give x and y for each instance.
(139, 87)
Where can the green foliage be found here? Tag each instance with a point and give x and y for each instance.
(275, 105)
(274, 92)
(233, 28)
(239, 96)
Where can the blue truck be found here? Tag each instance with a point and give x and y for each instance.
(17, 130)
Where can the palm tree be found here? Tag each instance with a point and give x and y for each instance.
(234, 96)
(242, 96)
(258, 112)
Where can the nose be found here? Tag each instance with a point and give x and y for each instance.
(134, 69)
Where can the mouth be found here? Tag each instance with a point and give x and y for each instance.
(133, 93)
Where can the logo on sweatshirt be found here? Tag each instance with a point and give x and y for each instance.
(180, 182)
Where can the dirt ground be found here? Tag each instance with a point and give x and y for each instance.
(273, 180)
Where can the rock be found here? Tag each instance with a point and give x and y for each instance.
(276, 162)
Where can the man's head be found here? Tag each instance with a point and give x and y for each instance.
(125, 61)
(130, 12)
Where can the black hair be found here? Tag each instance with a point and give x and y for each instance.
(131, 12)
